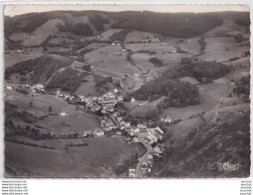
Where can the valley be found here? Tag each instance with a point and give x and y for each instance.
(127, 94)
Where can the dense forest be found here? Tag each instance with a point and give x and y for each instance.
(39, 69)
(179, 94)
(119, 36)
(204, 72)
(168, 24)
(67, 80)
(98, 22)
(77, 29)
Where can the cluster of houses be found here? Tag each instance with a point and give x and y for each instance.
(115, 44)
(170, 120)
(105, 103)
(34, 90)
(147, 165)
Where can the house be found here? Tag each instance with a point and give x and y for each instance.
(8, 87)
(120, 98)
(63, 114)
(135, 140)
(127, 124)
(152, 139)
(159, 130)
(118, 132)
(132, 172)
(113, 44)
(157, 150)
(119, 119)
(150, 157)
(39, 86)
(141, 126)
(132, 100)
(98, 132)
(144, 164)
(115, 90)
(115, 114)
(122, 123)
(87, 133)
(136, 130)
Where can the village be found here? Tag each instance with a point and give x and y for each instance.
(111, 122)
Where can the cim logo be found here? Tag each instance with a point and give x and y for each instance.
(231, 167)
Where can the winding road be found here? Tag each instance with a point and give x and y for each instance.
(143, 158)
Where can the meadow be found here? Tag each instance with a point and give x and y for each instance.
(99, 159)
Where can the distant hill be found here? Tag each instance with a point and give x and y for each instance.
(167, 24)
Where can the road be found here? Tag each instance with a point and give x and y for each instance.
(143, 158)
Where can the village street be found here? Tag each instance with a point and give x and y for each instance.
(143, 158)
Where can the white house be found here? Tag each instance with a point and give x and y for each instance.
(141, 126)
(63, 114)
(120, 98)
(115, 90)
(150, 157)
(132, 173)
(135, 139)
(159, 130)
(127, 124)
(98, 132)
(132, 100)
(39, 86)
(8, 87)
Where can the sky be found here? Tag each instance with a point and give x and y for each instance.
(18, 9)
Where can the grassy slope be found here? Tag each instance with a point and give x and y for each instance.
(96, 160)
(201, 149)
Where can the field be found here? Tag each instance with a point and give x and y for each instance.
(224, 55)
(99, 159)
(144, 107)
(107, 34)
(222, 49)
(87, 89)
(39, 35)
(77, 121)
(142, 60)
(58, 41)
(161, 48)
(191, 46)
(140, 37)
(12, 59)
(111, 58)
(173, 59)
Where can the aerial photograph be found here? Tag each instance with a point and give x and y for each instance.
(126, 93)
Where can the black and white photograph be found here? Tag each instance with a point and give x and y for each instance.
(126, 91)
